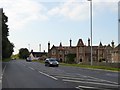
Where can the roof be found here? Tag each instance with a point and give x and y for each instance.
(80, 43)
(39, 53)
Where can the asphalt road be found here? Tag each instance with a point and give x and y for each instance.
(22, 74)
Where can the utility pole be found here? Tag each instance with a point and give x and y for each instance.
(91, 29)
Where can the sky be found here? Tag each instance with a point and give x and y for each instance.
(34, 22)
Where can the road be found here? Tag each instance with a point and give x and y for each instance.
(22, 74)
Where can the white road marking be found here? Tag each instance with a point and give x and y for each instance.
(90, 83)
(31, 68)
(24, 65)
(99, 79)
(84, 87)
(4, 69)
(48, 75)
(103, 80)
(78, 78)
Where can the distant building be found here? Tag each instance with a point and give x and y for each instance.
(107, 53)
(60, 51)
(116, 55)
(38, 55)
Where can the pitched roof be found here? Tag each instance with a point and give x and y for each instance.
(80, 43)
(39, 53)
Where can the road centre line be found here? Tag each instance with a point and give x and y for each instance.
(90, 83)
(24, 65)
(84, 87)
(31, 68)
(48, 75)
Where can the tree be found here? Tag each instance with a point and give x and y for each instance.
(70, 58)
(7, 46)
(23, 53)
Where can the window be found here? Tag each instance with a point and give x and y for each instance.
(53, 52)
(80, 49)
(60, 52)
(66, 52)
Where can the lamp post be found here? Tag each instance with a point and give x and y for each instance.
(91, 29)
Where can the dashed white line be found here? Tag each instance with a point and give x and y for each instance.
(24, 65)
(31, 68)
(84, 87)
(48, 75)
(90, 82)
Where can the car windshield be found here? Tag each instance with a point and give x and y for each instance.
(52, 60)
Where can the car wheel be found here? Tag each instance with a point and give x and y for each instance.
(48, 65)
(57, 65)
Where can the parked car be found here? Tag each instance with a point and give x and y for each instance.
(51, 62)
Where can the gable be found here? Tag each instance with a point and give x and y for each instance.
(80, 43)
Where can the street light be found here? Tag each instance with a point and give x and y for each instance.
(91, 29)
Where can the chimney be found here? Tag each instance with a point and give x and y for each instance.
(44, 51)
(60, 44)
(112, 44)
(48, 46)
(70, 42)
(88, 41)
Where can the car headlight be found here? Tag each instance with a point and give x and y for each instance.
(57, 62)
(50, 62)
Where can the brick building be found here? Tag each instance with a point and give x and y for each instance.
(106, 53)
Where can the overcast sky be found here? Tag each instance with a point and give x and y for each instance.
(34, 22)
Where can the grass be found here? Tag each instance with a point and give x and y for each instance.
(85, 66)
(91, 67)
(6, 60)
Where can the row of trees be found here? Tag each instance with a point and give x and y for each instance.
(7, 46)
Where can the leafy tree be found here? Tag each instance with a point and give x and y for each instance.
(70, 58)
(23, 53)
(7, 46)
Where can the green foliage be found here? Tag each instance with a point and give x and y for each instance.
(6, 59)
(7, 46)
(70, 58)
(15, 56)
(23, 53)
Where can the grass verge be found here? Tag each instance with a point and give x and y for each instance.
(6, 60)
(84, 66)
(91, 67)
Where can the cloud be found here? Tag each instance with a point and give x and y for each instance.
(21, 12)
(79, 10)
(71, 10)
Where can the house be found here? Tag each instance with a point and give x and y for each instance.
(101, 53)
(116, 55)
(60, 51)
(38, 55)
